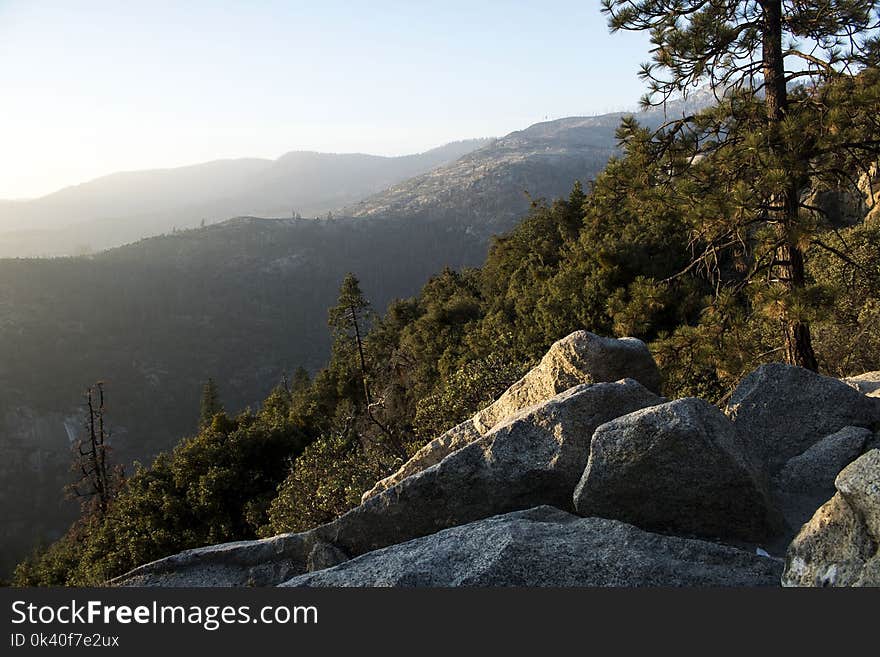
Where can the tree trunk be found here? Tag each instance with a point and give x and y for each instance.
(397, 446)
(775, 93)
(798, 343)
(360, 347)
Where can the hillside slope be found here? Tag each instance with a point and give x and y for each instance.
(487, 190)
(124, 207)
(240, 301)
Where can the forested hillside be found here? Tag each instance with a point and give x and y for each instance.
(240, 301)
(626, 256)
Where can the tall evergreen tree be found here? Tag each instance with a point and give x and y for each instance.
(210, 403)
(349, 320)
(768, 133)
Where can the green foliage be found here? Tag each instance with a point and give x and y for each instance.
(743, 167)
(849, 333)
(473, 386)
(325, 481)
(214, 487)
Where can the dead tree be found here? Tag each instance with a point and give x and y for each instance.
(98, 481)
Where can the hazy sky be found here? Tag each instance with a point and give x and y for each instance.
(89, 87)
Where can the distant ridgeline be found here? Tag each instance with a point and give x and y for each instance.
(123, 207)
(243, 301)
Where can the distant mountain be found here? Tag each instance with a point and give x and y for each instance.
(486, 191)
(124, 207)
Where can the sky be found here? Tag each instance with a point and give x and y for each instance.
(91, 87)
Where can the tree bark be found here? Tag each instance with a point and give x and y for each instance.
(798, 341)
(399, 449)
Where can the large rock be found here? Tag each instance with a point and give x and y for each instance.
(581, 357)
(545, 546)
(534, 458)
(839, 546)
(431, 454)
(243, 563)
(781, 411)
(867, 383)
(859, 484)
(806, 482)
(681, 468)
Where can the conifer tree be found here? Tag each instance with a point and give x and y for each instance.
(348, 319)
(210, 403)
(771, 64)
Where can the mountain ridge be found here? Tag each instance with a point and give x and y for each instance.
(125, 206)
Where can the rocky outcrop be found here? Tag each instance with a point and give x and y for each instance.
(680, 467)
(490, 502)
(533, 458)
(781, 411)
(867, 383)
(806, 482)
(846, 204)
(243, 563)
(581, 357)
(430, 454)
(839, 545)
(841, 208)
(536, 457)
(859, 484)
(545, 546)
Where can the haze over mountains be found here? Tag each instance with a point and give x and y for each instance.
(124, 207)
(241, 300)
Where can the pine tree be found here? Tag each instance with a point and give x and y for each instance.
(768, 134)
(349, 320)
(210, 404)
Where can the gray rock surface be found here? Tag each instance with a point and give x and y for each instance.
(534, 458)
(430, 454)
(679, 467)
(839, 545)
(545, 546)
(781, 411)
(581, 357)
(243, 563)
(859, 484)
(806, 482)
(324, 555)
